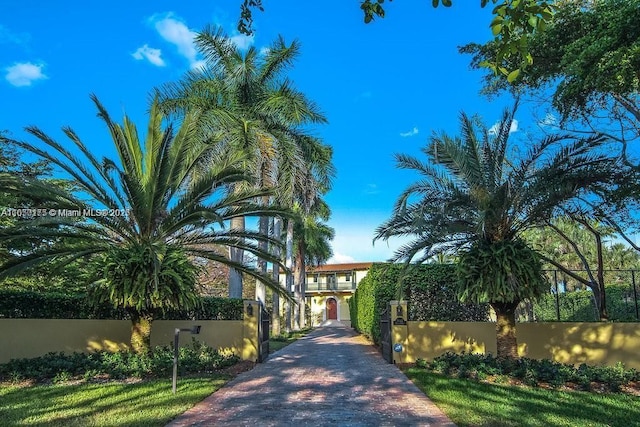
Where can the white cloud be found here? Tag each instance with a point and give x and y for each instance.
(242, 41)
(150, 54)
(178, 34)
(493, 130)
(412, 132)
(24, 73)
(339, 258)
(264, 51)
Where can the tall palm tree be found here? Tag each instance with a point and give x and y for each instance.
(475, 198)
(311, 245)
(249, 105)
(158, 216)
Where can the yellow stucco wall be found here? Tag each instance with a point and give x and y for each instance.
(25, 338)
(575, 343)
(591, 343)
(427, 340)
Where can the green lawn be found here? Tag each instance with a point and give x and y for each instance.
(471, 403)
(148, 403)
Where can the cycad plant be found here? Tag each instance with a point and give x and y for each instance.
(156, 216)
(477, 194)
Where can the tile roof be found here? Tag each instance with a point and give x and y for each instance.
(326, 268)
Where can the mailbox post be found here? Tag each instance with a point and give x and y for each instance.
(194, 331)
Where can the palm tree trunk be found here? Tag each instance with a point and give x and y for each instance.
(140, 331)
(275, 316)
(507, 344)
(602, 296)
(237, 255)
(263, 229)
(289, 264)
(300, 277)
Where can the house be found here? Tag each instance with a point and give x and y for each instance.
(329, 287)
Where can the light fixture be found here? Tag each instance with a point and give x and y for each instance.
(399, 311)
(249, 310)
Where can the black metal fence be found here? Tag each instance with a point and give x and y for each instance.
(570, 300)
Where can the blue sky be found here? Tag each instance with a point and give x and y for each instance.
(385, 87)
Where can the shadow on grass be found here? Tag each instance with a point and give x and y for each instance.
(149, 403)
(471, 403)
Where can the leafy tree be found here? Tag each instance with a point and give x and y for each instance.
(476, 197)
(515, 22)
(589, 56)
(158, 216)
(254, 114)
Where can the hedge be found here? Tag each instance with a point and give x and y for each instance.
(15, 304)
(430, 290)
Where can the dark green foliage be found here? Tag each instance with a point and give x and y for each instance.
(145, 277)
(197, 358)
(530, 371)
(33, 305)
(430, 290)
(500, 271)
(578, 306)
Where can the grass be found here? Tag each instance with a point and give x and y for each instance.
(278, 342)
(147, 403)
(472, 403)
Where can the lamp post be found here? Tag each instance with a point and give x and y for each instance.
(194, 331)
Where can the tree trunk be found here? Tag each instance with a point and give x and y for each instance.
(237, 255)
(300, 279)
(140, 331)
(263, 229)
(506, 342)
(602, 297)
(275, 316)
(289, 264)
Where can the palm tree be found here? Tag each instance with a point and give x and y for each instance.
(311, 247)
(158, 218)
(251, 107)
(475, 199)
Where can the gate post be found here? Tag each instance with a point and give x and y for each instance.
(399, 333)
(250, 338)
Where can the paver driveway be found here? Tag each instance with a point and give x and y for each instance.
(330, 377)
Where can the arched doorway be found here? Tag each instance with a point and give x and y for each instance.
(332, 309)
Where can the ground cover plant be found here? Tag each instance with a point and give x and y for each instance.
(474, 403)
(59, 367)
(532, 372)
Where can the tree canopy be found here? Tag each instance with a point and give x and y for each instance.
(515, 22)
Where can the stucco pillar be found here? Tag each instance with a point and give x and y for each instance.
(250, 341)
(399, 334)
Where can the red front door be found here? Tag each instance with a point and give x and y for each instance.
(332, 309)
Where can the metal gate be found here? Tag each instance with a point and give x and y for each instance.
(264, 326)
(385, 334)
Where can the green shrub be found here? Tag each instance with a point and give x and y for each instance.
(530, 371)
(579, 305)
(21, 304)
(430, 290)
(58, 367)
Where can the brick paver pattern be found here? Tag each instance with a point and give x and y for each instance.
(330, 377)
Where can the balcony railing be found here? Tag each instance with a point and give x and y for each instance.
(339, 286)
